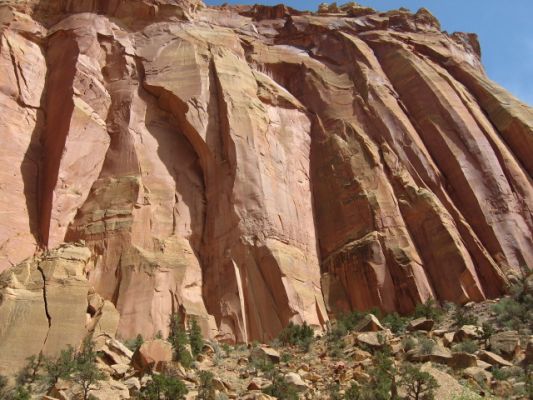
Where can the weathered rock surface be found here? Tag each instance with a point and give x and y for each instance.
(249, 166)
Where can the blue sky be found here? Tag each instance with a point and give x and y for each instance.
(505, 31)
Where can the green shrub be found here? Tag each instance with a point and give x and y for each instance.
(179, 340)
(516, 312)
(395, 322)
(280, 388)
(206, 390)
(463, 317)
(297, 335)
(195, 337)
(430, 310)
(417, 384)
(86, 372)
(408, 343)
(3, 386)
(134, 344)
(426, 346)
(467, 346)
(381, 385)
(263, 364)
(164, 387)
(61, 367)
(334, 393)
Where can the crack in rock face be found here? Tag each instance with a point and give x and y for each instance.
(247, 166)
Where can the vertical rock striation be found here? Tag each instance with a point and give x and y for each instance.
(250, 166)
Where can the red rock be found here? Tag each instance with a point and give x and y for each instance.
(257, 166)
(152, 354)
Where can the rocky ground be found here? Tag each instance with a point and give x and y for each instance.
(474, 351)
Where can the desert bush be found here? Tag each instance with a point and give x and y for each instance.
(418, 385)
(195, 337)
(516, 312)
(430, 309)
(426, 345)
(280, 388)
(297, 335)
(467, 346)
(134, 344)
(179, 340)
(395, 322)
(164, 387)
(206, 390)
(461, 317)
(382, 380)
(408, 343)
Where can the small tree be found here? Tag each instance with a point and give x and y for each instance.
(135, 344)
(297, 335)
(430, 310)
(280, 388)
(418, 385)
(86, 372)
(61, 367)
(179, 340)
(3, 386)
(206, 391)
(195, 337)
(164, 387)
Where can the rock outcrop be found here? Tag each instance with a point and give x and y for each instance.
(249, 166)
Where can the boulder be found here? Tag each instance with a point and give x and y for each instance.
(529, 351)
(265, 353)
(506, 344)
(420, 324)
(152, 355)
(296, 381)
(471, 332)
(374, 340)
(438, 354)
(369, 323)
(493, 359)
(461, 360)
(480, 375)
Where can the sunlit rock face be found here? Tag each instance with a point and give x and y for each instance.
(252, 166)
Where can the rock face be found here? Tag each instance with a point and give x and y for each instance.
(251, 166)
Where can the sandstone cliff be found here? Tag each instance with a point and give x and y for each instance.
(252, 166)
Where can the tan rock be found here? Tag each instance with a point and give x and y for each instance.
(265, 353)
(296, 381)
(152, 354)
(51, 292)
(493, 359)
(506, 344)
(461, 360)
(369, 324)
(420, 324)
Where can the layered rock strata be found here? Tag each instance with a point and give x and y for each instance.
(251, 166)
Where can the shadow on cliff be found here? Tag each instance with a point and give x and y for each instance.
(30, 169)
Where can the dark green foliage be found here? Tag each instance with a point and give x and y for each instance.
(408, 343)
(334, 391)
(3, 386)
(426, 345)
(353, 392)
(18, 393)
(280, 388)
(206, 390)
(418, 385)
(297, 335)
(516, 312)
(286, 357)
(488, 331)
(135, 344)
(179, 340)
(263, 364)
(381, 385)
(334, 340)
(164, 387)
(461, 317)
(467, 346)
(430, 310)
(86, 372)
(29, 373)
(61, 367)
(395, 322)
(195, 337)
